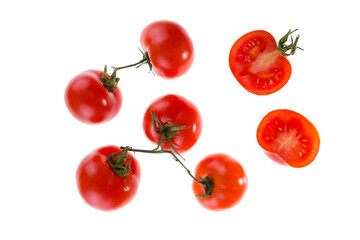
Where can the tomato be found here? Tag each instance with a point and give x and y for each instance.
(229, 181)
(288, 138)
(170, 48)
(89, 101)
(174, 109)
(258, 65)
(100, 186)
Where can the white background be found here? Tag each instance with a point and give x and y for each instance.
(44, 44)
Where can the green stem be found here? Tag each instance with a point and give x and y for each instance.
(163, 151)
(130, 65)
(145, 60)
(111, 82)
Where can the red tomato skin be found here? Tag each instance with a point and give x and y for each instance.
(254, 57)
(306, 138)
(276, 158)
(89, 101)
(174, 109)
(100, 186)
(170, 48)
(230, 181)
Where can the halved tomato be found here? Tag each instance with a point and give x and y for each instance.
(288, 138)
(259, 64)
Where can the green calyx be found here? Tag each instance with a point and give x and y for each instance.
(120, 163)
(110, 82)
(208, 184)
(167, 132)
(283, 48)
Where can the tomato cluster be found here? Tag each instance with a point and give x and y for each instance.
(108, 177)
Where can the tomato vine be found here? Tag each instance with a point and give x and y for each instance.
(167, 131)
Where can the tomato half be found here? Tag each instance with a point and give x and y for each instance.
(229, 181)
(174, 109)
(100, 186)
(288, 138)
(257, 64)
(170, 48)
(89, 101)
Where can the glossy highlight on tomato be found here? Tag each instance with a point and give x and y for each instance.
(230, 181)
(257, 65)
(100, 186)
(170, 48)
(288, 138)
(174, 109)
(89, 101)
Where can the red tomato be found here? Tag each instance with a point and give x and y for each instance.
(170, 48)
(174, 109)
(89, 101)
(288, 138)
(257, 64)
(100, 186)
(229, 181)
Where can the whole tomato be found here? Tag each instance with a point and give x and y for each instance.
(288, 138)
(169, 47)
(100, 186)
(89, 101)
(259, 64)
(229, 182)
(173, 109)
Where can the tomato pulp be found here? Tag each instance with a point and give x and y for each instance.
(100, 186)
(257, 64)
(288, 138)
(89, 101)
(170, 48)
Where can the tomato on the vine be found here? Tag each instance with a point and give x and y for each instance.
(259, 64)
(173, 110)
(170, 48)
(89, 101)
(288, 138)
(229, 182)
(99, 184)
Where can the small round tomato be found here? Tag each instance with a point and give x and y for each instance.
(100, 186)
(229, 181)
(170, 48)
(258, 64)
(89, 101)
(288, 138)
(173, 109)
